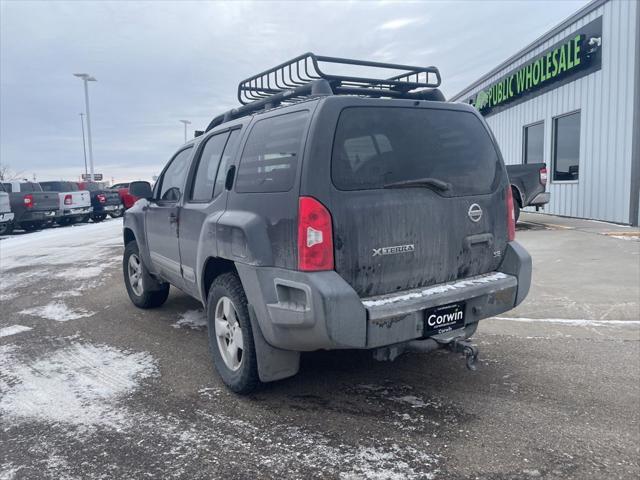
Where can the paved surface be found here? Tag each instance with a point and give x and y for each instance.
(91, 387)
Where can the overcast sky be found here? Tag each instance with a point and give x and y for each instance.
(159, 62)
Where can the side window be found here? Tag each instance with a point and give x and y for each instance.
(202, 190)
(566, 147)
(227, 156)
(270, 157)
(534, 143)
(173, 178)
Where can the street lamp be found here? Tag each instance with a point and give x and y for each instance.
(84, 148)
(88, 78)
(186, 122)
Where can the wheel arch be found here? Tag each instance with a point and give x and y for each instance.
(212, 269)
(518, 194)
(128, 235)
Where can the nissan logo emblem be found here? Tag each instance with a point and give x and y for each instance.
(475, 212)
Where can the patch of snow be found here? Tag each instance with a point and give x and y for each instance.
(79, 245)
(412, 400)
(635, 238)
(8, 471)
(81, 273)
(13, 329)
(57, 311)
(574, 322)
(194, 319)
(78, 385)
(442, 288)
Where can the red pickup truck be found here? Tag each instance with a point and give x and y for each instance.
(123, 190)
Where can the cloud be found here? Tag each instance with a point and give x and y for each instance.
(398, 23)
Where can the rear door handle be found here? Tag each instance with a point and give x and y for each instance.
(472, 240)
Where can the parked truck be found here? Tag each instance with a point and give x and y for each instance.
(32, 207)
(319, 216)
(74, 204)
(104, 201)
(123, 190)
(6, 215)
(528, 186)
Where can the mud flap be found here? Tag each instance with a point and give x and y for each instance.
(273, 363)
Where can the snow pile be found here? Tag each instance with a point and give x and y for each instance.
(13, 329)
(79, 385)
(57, 311)
(194, 319)
(87, 249)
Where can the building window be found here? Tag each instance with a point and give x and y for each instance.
(534, 143)
(566, 147)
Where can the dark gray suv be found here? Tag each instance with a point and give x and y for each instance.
(331, 212)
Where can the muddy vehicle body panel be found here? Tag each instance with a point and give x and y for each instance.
(32, 208)
(74, 203)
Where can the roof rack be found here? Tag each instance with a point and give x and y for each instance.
(302, 78)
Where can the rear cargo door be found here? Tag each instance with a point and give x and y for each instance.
(419, 198)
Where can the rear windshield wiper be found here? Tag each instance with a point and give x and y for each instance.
(421, 182)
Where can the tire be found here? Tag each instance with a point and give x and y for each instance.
(99, 217)
(242, 379)
(516, 203)
(64, 221)
(30, 226)
(140, 296)
(516, 211)
(6, 228)
(117, 213)
(85, 219)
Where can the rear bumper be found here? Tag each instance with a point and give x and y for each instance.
(107, 208)
(309, 311)
(541, 199)
(6, 217)
(38, 215)
(76, 212)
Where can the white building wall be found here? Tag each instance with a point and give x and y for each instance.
(605, 99)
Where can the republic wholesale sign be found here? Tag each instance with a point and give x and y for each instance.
(575, 56)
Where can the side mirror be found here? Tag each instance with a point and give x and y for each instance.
(141, 189)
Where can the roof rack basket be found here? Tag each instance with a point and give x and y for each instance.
(302, 78)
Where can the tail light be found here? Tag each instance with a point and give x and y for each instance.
(511, 216)
(315, 236)
(67, 199)
(28, 200)
(101, 198)
(543, 176)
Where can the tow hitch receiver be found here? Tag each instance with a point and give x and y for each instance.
(465, 347)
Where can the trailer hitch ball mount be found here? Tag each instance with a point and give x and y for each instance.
(469, 351)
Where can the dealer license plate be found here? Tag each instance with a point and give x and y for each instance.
(444, 318)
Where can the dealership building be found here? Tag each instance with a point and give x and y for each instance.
(571, 99)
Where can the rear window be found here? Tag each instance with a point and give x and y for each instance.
(270, 157)
(378, 146)
(59, 186)
(30, 187)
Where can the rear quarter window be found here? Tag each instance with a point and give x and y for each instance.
(270, 157)
(378, 146)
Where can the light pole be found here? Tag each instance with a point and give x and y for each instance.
(88, 78)
(186, 122)
(84, 148)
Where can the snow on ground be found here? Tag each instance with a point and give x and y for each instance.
(574, 322)
(194, 319)
(57, 311)
(13, 329)
(87, 250)
(78, 384)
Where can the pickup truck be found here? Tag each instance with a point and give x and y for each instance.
(104, 201)
(6, 215)
(123, 190)
(32, 208)
(319, 216)
(528, 185)
(74, 204)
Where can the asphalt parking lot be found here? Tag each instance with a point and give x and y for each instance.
(92, 388)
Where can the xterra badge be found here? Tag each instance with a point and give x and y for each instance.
(393, 250)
